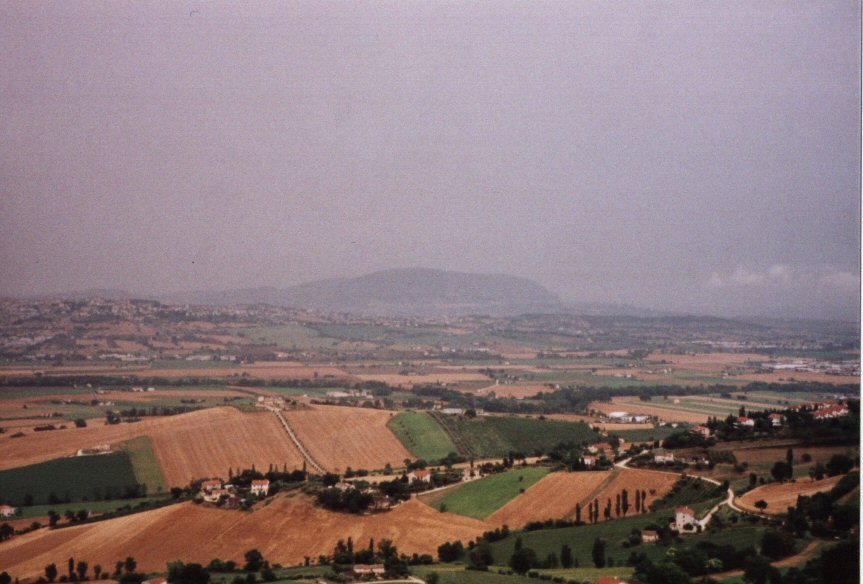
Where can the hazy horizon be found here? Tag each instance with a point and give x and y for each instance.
(684, 156)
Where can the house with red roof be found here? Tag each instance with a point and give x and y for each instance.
(684, 516)
(7, 510)
(419, 474)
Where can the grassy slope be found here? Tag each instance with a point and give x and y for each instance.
(146, 467)
(76, 477)
(492, 436)
(481, 498)
(421, 435)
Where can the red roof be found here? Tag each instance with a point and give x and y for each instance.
(686, 510)
(260, 483)
(421, 472)
(774, 416)
(6, 507)
(610, 580)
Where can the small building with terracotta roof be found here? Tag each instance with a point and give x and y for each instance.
(419, 474)
(684, 516)
(703, 431)
(7, 510)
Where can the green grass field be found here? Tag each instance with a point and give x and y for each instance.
(421, 435)
(91, 506)
(145, 465)
(481, 498)
(74, 478)
(289, 336)
(648, 434)
(492, 436)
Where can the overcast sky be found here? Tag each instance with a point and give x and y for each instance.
(688, 156)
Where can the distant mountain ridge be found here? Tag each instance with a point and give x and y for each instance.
(399, 292)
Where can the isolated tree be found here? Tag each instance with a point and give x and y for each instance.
(761, 504)
(598, 553)
(97, 571)
(607, 511)
(130, 565)
(839, 464)
(6, 531)
(51, 572)
(818, 471)
(617, 505)
(596, 510)
(781, 471)
(254, 560)
(624, 501)
(789, 457)
(578, 513)
(5, 578)
(565, 556)
(81, 568)
(637, 501)
(522, 560)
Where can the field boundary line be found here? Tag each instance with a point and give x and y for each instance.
(305, 453)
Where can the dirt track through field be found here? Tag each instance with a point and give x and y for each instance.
(341, 437)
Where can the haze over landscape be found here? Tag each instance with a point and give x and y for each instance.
(486, 292)
(681, 157)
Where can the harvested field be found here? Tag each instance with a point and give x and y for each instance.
(655, 483)
(554, 497)
(294, 528)
(341, 437)
(780, 496)
(637, 407)
(197, 444)
(519, 390)
(209, 445)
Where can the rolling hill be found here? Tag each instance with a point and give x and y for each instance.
(399, 292)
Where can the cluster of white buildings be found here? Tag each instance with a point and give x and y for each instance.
(212, 491)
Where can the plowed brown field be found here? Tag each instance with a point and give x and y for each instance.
(780, 496)
(340, 437)
(284, 531)
(197, 444)
(554, 497)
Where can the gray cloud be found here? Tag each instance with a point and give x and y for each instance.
(623, 152)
